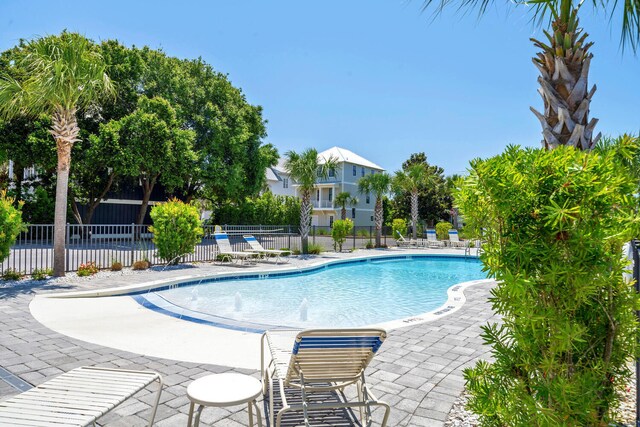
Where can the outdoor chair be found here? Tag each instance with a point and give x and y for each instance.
(432, 239)
(455, 242)
(317, 361)
(77, 398)
(404, 243)
(227, 253)
(256, 247)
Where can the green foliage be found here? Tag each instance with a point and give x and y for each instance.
(554, 222)
(442, 230)
(399, 226)
(369, 245)
(39, 205)
(341, 229)
(267, 209)
(364, 232)
(315, 249)
(87, 269)
(41, 273)
(176, 229)
(12, 275)
(10, 223)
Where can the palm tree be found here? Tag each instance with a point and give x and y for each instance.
(305, 168)
(65, 74)
(343, 199)
(379, 184)
(563, 62)
(411, 180)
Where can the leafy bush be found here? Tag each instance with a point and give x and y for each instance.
(315, 249)
(41, 274)
(87, 269)
(321, 231)
(10, 223)
(39, 205)
(116, 266)
(442, 230)
(554, 222)
(176, 229)
(267, 209)
(10, 274)
(142, 264)
(369, 245)
(399, 225)
(341, 229)
(364, 232)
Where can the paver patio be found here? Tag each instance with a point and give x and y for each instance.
(418, 370)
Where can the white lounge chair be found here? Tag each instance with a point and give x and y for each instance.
(432, 239)
(321, 360)
(77, 398)
(227, 253)
(404, 243)
(256, 247)
(454, 240)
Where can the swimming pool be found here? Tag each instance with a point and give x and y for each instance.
(346, 294)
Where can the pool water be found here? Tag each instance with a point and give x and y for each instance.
(344, 295)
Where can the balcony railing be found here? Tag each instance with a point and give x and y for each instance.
(323, 204)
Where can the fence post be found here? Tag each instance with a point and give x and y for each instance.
(384, 231)
(67, 249)
(133, 242)
(314, 234)
(289, 241)
(354, 237)
(371, 233)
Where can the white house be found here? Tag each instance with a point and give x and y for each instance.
(351, 167)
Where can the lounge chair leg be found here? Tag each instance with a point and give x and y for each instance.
(250, 408)
(157, 402)
(258, 415)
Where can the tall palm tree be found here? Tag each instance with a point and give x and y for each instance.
(343, 199)
(411, 180)
(65, 74)
(379, 184)
(563, 62)
(305, 168)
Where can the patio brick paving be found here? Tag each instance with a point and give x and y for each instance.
(418, 370)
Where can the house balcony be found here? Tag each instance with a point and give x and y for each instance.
(323, 204)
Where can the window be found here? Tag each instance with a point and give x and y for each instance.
(330, 220)
(332, 172)
(330, 194)
(368, 198)
(355, 170)
(362, 172)
(353, 213)
(371, 217)
(285, 182)
(372, 171)
(317, 195)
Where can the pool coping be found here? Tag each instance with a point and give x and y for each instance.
(455, 293)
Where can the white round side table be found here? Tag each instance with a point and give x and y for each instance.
(221, 390)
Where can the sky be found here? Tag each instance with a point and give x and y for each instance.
(380, 78)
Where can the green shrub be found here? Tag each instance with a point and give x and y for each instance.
(442, 230)
(369, 245)
(87, 269)
(267, 209)
(41, 274)
(176, 229)
(321, 232)
(10, 223)
(363, 232)
(341, 229)
(142, 264)
(10, 274)
(296, 252)
(399, 225)
(315, 249)
(554, 223)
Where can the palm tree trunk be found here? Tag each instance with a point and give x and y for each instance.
(305, 220)
(414, 214)
(564, 71)
(343, 213)
(65, 131)
(378, 221)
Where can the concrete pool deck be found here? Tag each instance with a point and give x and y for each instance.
(418, 370)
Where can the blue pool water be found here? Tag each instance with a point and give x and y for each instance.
(351, 294)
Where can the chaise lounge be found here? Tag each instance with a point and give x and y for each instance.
(256, 247)
(227, 253)
(317, 361)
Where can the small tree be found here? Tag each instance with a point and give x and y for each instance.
(10, 223)
(399, 227)
(411, 180)
(554, 222)
(343, 199)
(176, 229)
(379, 184)
(341, 229)
(442, 230)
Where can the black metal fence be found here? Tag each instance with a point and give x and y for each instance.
(106, 244)
(361, 237)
